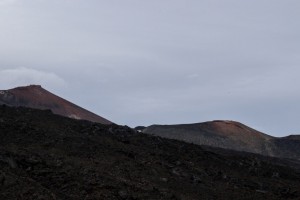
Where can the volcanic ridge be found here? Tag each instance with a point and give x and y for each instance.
(230, 135)
(51, 157)
(47, 153)
(34, 96)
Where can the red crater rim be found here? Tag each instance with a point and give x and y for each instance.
(35, 96)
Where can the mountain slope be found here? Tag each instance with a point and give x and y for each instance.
(46, 156)
(34, 96)
(229, 135)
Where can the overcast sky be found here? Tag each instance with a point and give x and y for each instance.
(160, 61)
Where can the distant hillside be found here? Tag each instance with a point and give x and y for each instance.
(230, 135)
(34, 96)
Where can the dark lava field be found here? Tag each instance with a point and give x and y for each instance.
(45, 156)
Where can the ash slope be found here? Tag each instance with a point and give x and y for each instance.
(230, 135)
(46, 156)
(34, 96)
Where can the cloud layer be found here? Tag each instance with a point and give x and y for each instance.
(142, 62)
(6, 2)
(26, 76)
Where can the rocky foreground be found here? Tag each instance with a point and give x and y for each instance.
(46, 156)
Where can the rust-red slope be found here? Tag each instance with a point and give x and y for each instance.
(219, 133)
(34, 96)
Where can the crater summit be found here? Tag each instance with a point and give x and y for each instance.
(34, 96)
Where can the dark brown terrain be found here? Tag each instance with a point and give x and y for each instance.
(50, 157)
(230, 135)
(34, 96)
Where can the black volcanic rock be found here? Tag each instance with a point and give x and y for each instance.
(230, 135)
(292, 137)
(34, 96)
(47, 156)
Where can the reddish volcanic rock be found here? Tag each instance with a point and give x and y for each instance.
(230, 135)
(34, 96)
(237, 132)
(223, 134)
(233, 129)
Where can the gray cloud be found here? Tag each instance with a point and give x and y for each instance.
(6, 2)
(143, 62)
(24, 76)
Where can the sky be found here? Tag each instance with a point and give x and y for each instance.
(161, 61)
